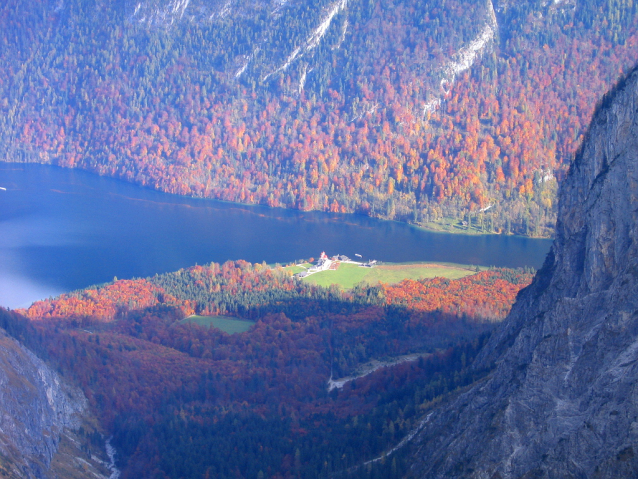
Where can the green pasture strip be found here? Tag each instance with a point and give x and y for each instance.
(346, 276)
(349, 275)
(417, 271)
(228, 324)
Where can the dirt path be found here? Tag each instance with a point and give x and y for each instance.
(372, 366)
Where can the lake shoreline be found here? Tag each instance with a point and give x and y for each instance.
(65, 229)
(442, 226)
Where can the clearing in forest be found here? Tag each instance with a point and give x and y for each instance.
(348, 275)
(228, 324)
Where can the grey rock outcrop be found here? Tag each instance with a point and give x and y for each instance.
(562, 399)
(39, 413)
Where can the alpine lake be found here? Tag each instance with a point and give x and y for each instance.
(63, 229)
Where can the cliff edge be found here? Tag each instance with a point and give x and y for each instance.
(46, 430)
(562, 400)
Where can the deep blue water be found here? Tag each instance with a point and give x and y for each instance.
(63, 229)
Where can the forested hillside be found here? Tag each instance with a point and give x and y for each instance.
(404, 109)
(182, 400)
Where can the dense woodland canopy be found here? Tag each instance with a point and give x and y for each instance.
(262, 104)
(182, 400)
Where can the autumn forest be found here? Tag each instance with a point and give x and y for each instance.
(364, 106)
(454, 112)
(182, 400)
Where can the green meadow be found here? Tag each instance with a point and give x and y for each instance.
(228, 324)
(349, 275)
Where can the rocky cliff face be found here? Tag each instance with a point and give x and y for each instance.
(40, 420)
(562, 400)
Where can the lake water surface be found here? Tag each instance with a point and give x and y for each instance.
(64, 229)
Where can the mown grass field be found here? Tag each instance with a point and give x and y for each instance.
(349, 275)
(228, 324)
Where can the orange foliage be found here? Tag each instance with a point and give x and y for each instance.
(484, 295)
(103, 303)
(518, 113)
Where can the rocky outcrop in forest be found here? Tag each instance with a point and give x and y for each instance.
(562, 400)
(44, 424)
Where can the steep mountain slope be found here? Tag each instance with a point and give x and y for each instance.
(45, 430)
(404, 109)
(563, 399)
